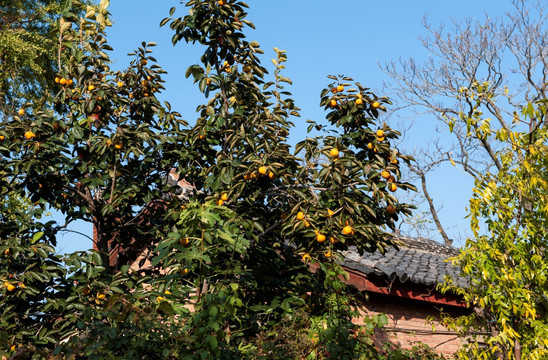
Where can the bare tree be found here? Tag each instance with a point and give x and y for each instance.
(477, 79)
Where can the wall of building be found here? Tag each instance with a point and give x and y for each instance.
(410, 321)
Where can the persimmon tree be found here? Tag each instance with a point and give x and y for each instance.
(244, 263)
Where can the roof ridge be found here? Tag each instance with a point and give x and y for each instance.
(425, 244)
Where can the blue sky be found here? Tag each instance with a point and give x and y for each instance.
(350, 37)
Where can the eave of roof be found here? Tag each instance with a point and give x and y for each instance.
(418, 260)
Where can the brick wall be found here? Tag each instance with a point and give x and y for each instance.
(409, 322)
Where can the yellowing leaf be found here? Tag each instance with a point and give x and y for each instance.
(64, 25)
(104, 4)
(90, 12)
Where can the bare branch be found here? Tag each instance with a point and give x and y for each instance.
(437, 221)
(479, 75)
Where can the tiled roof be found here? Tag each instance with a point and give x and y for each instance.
(418, 260)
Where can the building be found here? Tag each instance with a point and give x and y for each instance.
(402, 284)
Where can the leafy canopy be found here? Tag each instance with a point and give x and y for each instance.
(224, 269)
(505, 263)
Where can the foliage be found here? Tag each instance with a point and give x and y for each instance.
(29, 57)
(506, 265)
(224, 270)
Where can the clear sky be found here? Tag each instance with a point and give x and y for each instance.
(321, 37)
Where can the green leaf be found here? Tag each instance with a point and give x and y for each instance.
(37, 236)
(77, 132)
(164, 21)
(166, 308)
(66, 6)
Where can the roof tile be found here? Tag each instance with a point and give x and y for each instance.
(419, 260)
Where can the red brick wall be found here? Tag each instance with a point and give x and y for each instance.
(409, 322)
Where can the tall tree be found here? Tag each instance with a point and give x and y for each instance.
(28, 51)
(507, 53)
(486, 83)
(506, 261)
(225, 270)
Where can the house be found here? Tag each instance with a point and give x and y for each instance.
(402, 284)
(399, 283)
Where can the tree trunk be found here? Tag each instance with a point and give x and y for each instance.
(517, 344)
(517, 349)
(101, 239)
